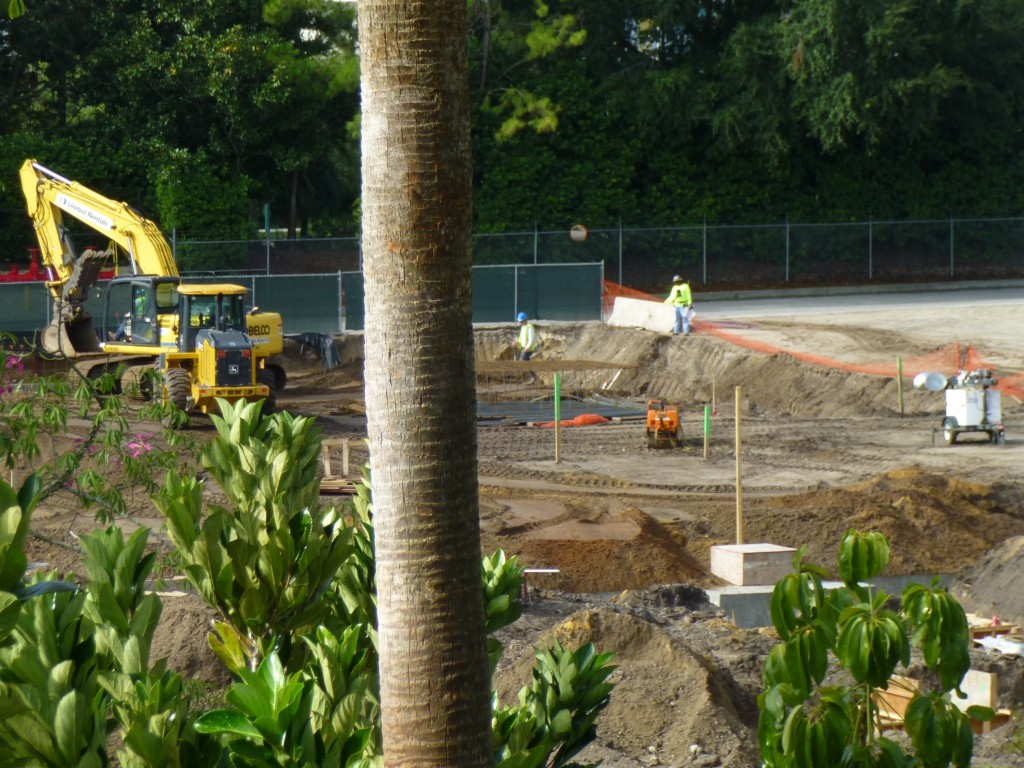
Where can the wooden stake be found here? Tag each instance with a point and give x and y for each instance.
(739, 472)
(558, 419)
(707, 430)
(899, 381)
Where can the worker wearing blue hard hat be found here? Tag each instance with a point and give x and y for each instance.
(527, 341)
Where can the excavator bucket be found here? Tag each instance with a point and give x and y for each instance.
(70, 337)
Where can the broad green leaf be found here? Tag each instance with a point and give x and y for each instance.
(67, 726)
(226, 721)
(10, 609)
(862, 556)
(927, 724)
(251, 701)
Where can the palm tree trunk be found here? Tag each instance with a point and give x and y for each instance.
(420, 382)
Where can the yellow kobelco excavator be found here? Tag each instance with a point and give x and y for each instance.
(198, 337)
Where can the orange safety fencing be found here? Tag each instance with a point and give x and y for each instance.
(948, 359)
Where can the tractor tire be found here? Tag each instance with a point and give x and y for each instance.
(135, 385)
(949, 433)
(268, 379)
(177, 388)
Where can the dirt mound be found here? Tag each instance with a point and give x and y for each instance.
(935, 524)
(602, 541)
(700, 369)
(180, 637)
(596, 548)
(995, 584)
(668, 697)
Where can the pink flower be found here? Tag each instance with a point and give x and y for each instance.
(138, 446)
(13, 361)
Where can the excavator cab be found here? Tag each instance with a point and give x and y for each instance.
(216, 307)
(141, 311)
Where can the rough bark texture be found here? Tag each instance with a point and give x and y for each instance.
(420, 382)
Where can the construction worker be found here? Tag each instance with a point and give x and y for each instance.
(527, 341)
(682, 299)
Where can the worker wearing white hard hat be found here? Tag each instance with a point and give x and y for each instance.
(681, 298)
(527, 341)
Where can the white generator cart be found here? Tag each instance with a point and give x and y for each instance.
(972, 404)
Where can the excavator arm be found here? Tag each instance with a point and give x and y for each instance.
(49, 197)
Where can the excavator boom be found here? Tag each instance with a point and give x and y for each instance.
(49, 196)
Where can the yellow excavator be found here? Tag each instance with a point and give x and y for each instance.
(199, 337)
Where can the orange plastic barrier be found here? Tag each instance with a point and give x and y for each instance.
(583, 420)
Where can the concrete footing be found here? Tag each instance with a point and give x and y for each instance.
(748, 565)
(750, 606)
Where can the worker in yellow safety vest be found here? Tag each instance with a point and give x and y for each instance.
(527, 341)
(682, 299)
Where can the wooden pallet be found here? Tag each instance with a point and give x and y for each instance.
(331, 484)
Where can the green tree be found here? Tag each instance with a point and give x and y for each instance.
(252, 90)
(506, 36)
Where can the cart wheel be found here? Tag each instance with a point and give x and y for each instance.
(949, 432)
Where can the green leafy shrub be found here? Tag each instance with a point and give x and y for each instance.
(294, 586)
(804, 722)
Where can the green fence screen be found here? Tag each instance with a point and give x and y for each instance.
(306, 303)
(333, 302)
(24, 307)
(544, 291)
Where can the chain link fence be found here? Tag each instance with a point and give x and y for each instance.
(714, 257)
(748, 257)
(719, 257)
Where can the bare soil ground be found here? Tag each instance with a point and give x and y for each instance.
(629, 528)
